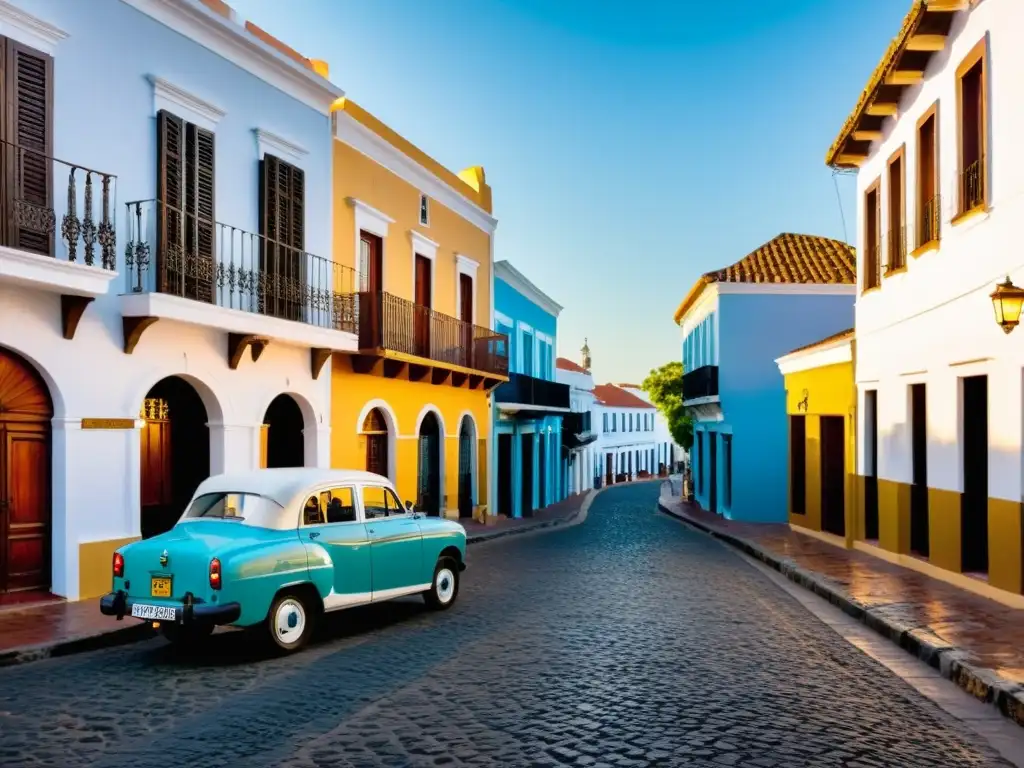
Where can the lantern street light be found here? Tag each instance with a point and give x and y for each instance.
(1007, 301)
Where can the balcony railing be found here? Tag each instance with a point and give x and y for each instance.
(971, 187)
(701, 382)
(526, 390)
(872, 264)
(929, 228)
(897, 247)
(84, 206)
(174, 252)
(389, 322)
(576, 423)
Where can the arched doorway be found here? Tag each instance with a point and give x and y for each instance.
(25, 413)
(175, 452)
(429, 480)
(284, 423)
(467, 441)
(375, 428)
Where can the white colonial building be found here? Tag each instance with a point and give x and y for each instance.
(578, 430)
(627, 447)
(167, 300)
(935, 145)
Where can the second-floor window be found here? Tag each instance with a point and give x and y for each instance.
(927, 179)
(614, 422)
(282, 256)
(371, 262)
(527, 354)
(424, 211)
(872, 210)
(604, 421)
(623, 417)
(972, 117)
(897, 242)
(185, 208)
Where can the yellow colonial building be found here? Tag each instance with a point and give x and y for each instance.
(412, 402)
(821, 401)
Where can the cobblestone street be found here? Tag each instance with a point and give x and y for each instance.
(627, 640)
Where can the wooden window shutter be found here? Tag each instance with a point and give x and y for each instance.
(28, 125)
(200, 213)
(283, 229)
(170, 204)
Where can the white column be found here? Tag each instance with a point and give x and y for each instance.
(234, 447)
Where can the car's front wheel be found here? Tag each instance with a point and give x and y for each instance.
(445, 587)
(290, 622)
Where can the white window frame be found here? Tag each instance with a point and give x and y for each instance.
(28, 29)
(424, 246)
(466, 266)
(369, 219)
(550, 341)
(187, 106)
(523, 329)
(268, 143)
(423, 198)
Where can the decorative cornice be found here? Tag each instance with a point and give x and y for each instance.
(466, 263)
(418, 238)
(40, 34)
(368, 209)
(230, 40)
(516, 279)
(206, 114)
(365, 141)
(271, 143)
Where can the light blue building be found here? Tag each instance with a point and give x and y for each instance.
(736, 321)
(528, 409)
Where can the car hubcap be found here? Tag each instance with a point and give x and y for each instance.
(445, 585)
(290, 621)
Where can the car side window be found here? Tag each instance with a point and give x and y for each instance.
(338, 505)
(311, 512)
(394, 505)
(375, 501)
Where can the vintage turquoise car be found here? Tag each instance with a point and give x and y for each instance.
(279, 547)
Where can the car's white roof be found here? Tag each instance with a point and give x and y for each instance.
(284, 485)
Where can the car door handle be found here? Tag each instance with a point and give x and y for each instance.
(314, 534)
(369, 530)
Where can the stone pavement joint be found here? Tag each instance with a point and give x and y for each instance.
(916, 626)
(35, 632)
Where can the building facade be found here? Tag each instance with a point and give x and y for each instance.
(735, 322)
(668, 454)
(162, 283)
(578, 431)
(933, 143)
(821, 407)
(626, 448)
(411, 401)
(529, 408)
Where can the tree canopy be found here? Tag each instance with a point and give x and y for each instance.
(665, 386)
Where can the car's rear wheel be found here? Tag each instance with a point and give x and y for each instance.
(445, 587)
(290, 622)
(190, 636)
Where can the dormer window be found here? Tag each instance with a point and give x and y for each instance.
(424, 211)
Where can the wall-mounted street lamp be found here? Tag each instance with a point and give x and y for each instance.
(1007, 301)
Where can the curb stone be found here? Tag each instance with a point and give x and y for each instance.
(952, 663)
(138, 632)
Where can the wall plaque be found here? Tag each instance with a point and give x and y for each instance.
(108, 423)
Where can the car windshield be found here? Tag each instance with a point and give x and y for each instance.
(246, 508)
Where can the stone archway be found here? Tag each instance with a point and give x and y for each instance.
(25, 476)
(467, 466)
(175, 452)
(284, 423)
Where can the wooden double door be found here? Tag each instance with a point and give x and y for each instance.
(25, 413)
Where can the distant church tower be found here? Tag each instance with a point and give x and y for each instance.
(586, 356)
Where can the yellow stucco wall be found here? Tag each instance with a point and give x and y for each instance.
(95, 564)
(829, 391)
(357, 176)
(352, 394)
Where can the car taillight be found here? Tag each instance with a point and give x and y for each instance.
(118, 565)
(215, 573)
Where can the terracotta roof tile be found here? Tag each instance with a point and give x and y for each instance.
(790, 259)
(568, 365)
(629, 386)
(848, 333)
(613, 396)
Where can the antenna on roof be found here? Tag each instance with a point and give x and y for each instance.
(839, 201)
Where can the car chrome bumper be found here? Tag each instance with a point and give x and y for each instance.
(120, 604)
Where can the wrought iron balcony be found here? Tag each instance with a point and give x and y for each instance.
(929, 227)
(175, 252)
(576, 431)
(531, 393)
(83, 205)
(700, 382)
(971, 187)
(388, 322)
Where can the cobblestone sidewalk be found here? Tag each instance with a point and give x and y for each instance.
(58, 628)
(975, 642)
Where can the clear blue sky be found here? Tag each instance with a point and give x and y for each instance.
(631, 146)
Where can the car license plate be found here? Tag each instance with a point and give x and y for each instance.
(160, 587)
(155, 612)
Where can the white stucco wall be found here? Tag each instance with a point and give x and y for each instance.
(934, 323)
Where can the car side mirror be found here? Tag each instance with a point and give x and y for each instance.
(408, 505)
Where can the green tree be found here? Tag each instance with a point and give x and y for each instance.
(665, 386)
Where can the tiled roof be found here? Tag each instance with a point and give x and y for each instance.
(789, 258)
(614, 397)
(629, 386)
(841, 336)
(568, 365)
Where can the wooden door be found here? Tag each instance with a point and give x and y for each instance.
(466, 316)
(25, 413)
(371, 265)
(505, 475)
(421, 312)
(713, 472)
(833, 474)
